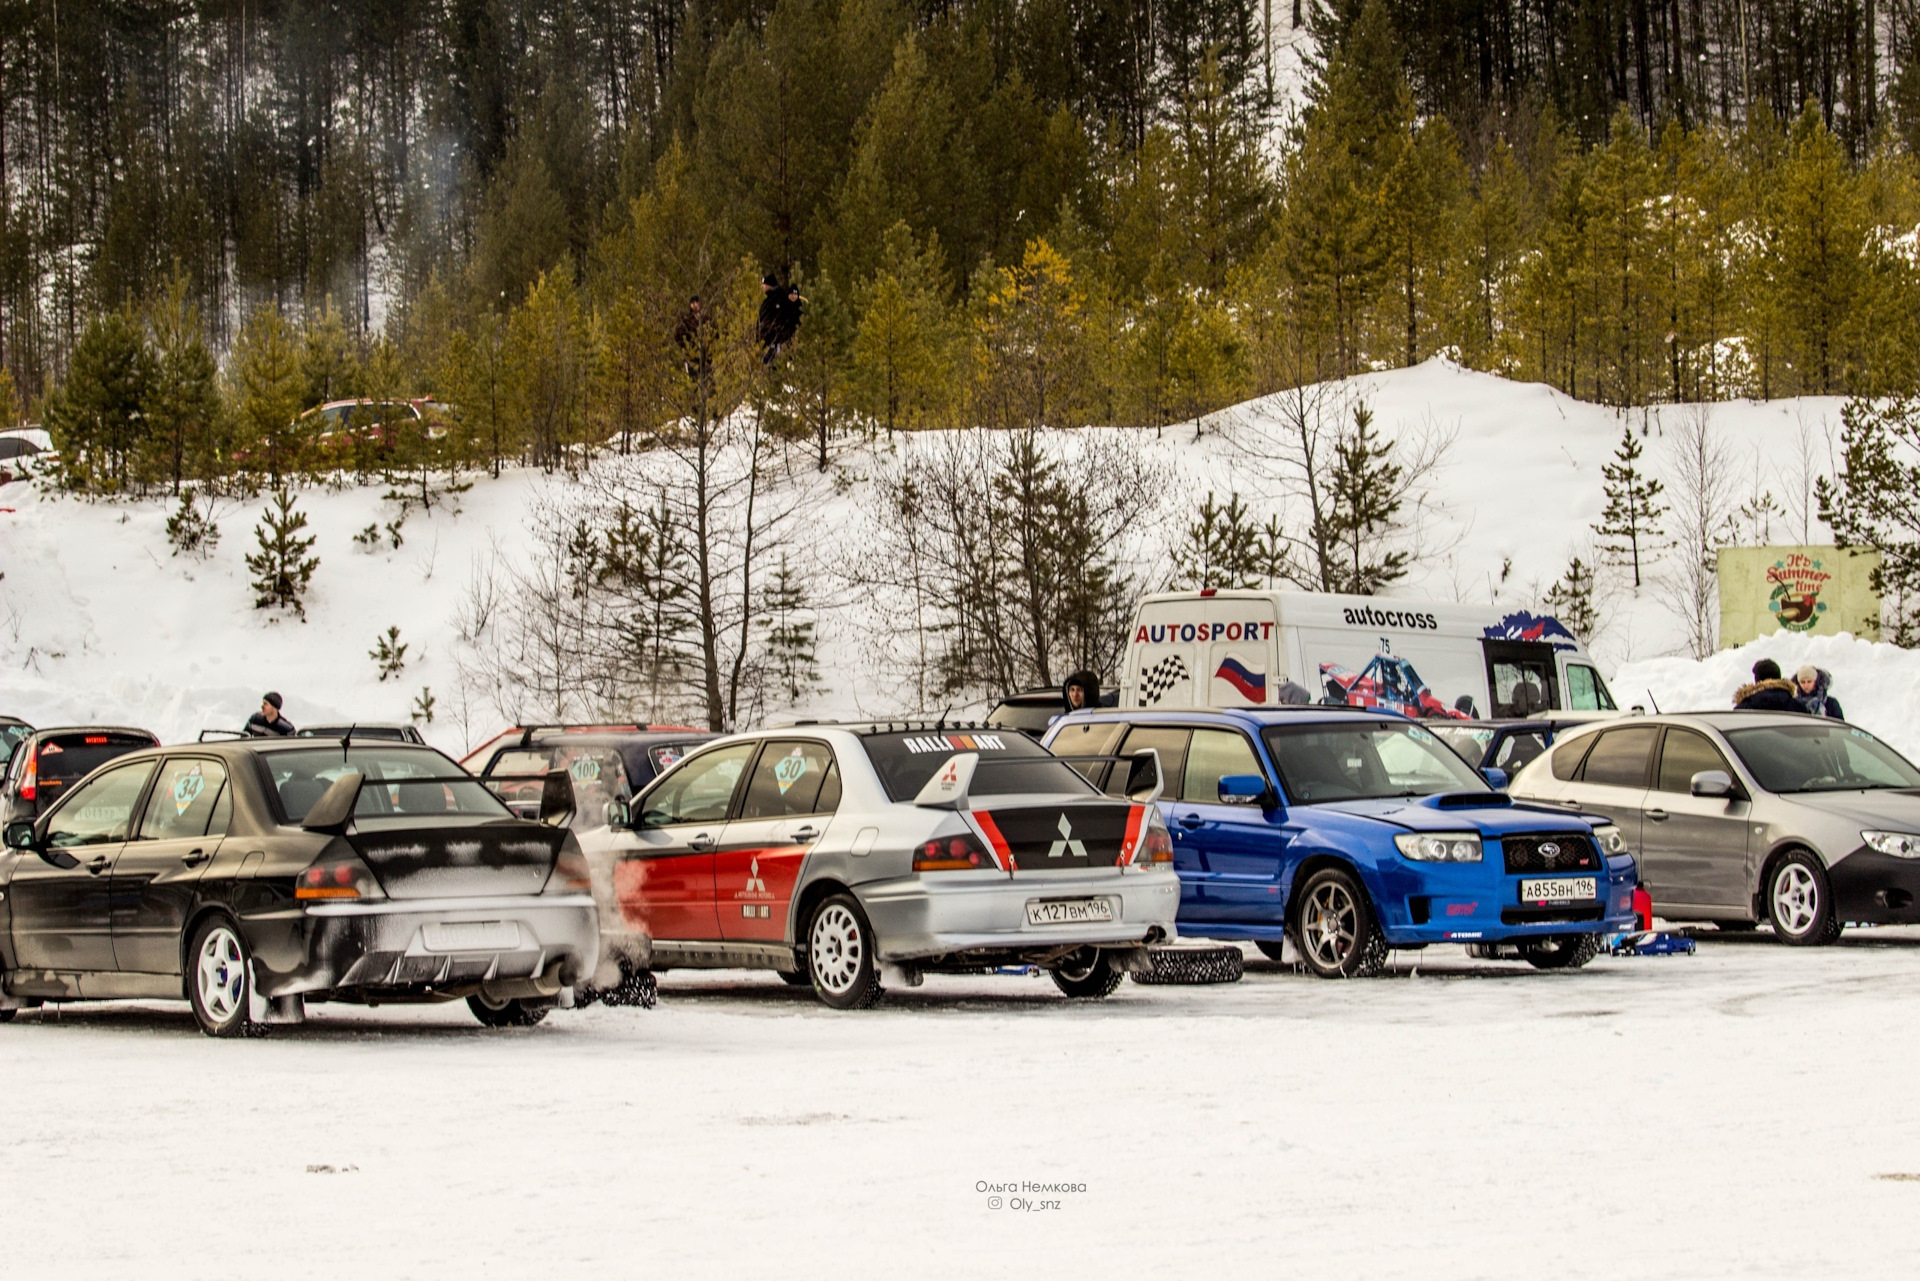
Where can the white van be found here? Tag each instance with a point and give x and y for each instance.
(1420, 658)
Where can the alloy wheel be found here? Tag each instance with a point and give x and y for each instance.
(221, 974)
(1330, 923)
(1796, 898)
(835, 948)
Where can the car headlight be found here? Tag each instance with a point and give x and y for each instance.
(1898, 844)
(1440, 847)
(1608, 838)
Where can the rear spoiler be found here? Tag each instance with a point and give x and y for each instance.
(951, 783)
(219, 735)
(1138, 779)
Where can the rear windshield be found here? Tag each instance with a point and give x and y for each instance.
(68, 758)
(1366, 760)
(1032, 717)
(415, 780)
(1011, 764)
(1821, 756)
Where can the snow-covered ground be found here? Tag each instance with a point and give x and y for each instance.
(1738, 1113)
(99, 623)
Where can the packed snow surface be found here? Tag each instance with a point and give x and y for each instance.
(1743, 1112)
(99, 622)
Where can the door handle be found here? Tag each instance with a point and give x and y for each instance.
(806, 834)
(702, 842)
(1190, 820)
(98, 864)
(194, 858)
(1657, 816)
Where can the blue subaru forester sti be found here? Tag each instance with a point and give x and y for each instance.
(1354, 832)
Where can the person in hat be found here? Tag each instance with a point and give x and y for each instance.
(1812, 695)
(268, 722)
(1768, 692)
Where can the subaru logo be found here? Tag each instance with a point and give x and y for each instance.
(1549, 850)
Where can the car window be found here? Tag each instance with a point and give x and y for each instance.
(667, 755)
(1684, 754)
(1522, 687)
(1366, 760)
(1820, 756)
(399, 780)
(1620, 758)
(184, 799)
(698, 790)
(788, 779)
(1172, 746)
(65, 759)
(1093, 738)
(1519, 750)
(1011, 764)
(1586, 692)
(99, 811)
(1570, 755)
(1214, 754)
(1469, 741)
(222, 818)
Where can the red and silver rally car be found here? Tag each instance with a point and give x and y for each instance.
(849, 856)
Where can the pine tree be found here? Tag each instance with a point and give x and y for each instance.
(96, 418)
(182, 402)
(1226, 547)
(1363, 511)
(281, 569)
(191, 531)
(1873, 500)
(817, 364)
(791, 645)
(1629, 528)
(389, 654)
(1571, 600)
(901, 369)
(267, 388)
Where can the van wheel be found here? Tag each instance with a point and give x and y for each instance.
(840, 962)
(1800, 902)
(1561, 951)
(1335, 929)
(1088, 974)
(217, 986)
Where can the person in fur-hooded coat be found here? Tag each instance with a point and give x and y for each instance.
(1768, 692)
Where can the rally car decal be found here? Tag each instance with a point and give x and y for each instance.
(1387, 682)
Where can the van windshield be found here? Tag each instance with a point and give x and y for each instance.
(1366, 760)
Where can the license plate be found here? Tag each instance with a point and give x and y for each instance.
(470, 936)
(1560, 889)
(1069, 911)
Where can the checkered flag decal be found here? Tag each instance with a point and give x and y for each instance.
(1161, 677)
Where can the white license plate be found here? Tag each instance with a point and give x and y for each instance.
(1069, 911)
(470, 936)
(1559, 889)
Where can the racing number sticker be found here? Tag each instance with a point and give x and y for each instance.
(585, 770)
(790, 770)
(187, 789)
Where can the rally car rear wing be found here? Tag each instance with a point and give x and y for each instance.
(951, 783)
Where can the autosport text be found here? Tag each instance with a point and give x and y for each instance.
(1167, 633)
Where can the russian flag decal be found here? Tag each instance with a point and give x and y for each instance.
(1252, 685)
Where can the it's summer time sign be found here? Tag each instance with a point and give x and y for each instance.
(1821, 590)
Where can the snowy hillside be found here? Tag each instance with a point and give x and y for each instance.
(99, 623)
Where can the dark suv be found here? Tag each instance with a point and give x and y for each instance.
(47, 762)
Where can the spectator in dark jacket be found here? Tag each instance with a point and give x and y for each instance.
(1812, 693)
(1768, 692)
(778, 330)
(268, 722)
(1081, 690)
(771, 301)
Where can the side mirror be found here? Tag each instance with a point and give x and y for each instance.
(1243, 789)
(1144, 779)
(20, 834)
(556, 798)
(1711, 782)
(618, 814)
(1496, 778)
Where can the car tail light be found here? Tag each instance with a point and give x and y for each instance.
(571, 875)
(340, 878)
(961, 853)
(1155, 845)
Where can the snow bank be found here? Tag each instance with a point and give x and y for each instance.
(1877, 684)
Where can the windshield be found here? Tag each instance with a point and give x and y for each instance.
(1366, 760)
(1820, 756)
(1468, 740)
(1011, 764)
(400, 780)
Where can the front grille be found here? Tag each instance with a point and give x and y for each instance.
(1571, 853)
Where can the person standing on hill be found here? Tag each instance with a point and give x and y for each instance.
(268, 722)
(779, 318)
(769, 322)
(1812, 693)
(1767, 693)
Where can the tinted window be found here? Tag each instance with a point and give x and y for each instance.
(1684, 754)
(1214, 754)
(1172, 746)
(1097, 738)
(98, 813)
(68, 758)
(1522, 687)
(1519, 750)
(699, 790)
(399, 780)
(787, 780)
(1568, 756)
(1820, 756)
(1620, 758)
(1025, 716)
(1366, 760)
(183, 800)
(1011, 764)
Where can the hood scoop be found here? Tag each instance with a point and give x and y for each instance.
(1466, 800)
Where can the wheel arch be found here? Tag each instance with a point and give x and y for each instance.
(195, 919)
(1316, 863)
(809, 898)
(1774, 858)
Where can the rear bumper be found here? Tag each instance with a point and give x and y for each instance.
(922, 917)
(520, 945)
(1872, 888)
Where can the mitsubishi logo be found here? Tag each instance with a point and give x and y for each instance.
(754, 884)
(1549, 850)
(1066, 843)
